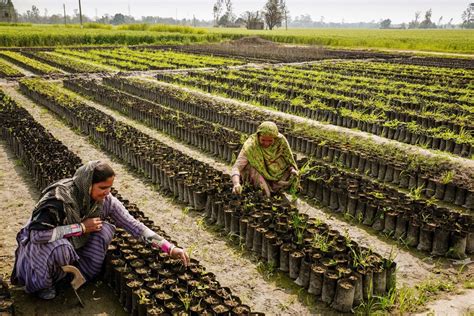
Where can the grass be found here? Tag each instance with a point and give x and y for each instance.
(451, 41)
(95, 34)
(447, 41)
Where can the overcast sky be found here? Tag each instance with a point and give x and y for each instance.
(332, 10)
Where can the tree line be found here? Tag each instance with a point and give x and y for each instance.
(274, 13)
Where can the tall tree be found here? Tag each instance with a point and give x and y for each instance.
(217, 10)
(415, 23)
(427, 23)
(385, 24)
(272, 13)
(228, 17)
(285, 12)
(468, 17)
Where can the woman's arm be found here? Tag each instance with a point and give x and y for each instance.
(50, 235)
(239, 165)
(115, 209)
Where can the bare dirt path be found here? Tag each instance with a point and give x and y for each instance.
(466, 165)
(232, 269)
(17, 199)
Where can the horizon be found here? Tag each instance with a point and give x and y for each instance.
(332, 12)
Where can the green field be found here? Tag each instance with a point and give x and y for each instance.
(447, 41)
(452, 41)
(58, 35)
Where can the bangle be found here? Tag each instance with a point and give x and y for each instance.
(83, 228)
(171, 249)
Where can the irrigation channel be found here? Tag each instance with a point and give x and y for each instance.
(383, 219)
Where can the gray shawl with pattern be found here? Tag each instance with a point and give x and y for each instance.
(75, 194)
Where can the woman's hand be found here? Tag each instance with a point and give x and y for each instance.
(178, 253)
(237, 189)
(92, 224)
(294, 172)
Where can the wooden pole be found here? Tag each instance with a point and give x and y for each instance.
(80, 12)
(64, 9)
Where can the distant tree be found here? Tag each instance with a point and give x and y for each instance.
(450, 23)
(217, 10)
(427, 23)
(468, 17)
(415, 23)
(105, 19)
(440, 20)
(33, 15)
(385, 24)
(228, 17)
(118, 18)
(272, 13)
(285, 12)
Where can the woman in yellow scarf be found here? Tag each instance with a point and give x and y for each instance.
(265, 161)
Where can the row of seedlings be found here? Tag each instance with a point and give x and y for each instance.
(434, 178)
(66, 63)
(219, 142)
(8, 71)
(351, 273)
(32, 65)
(432, 229)
(431, 130)
(146, 280)
(425, 75)
(398, 91)
(128, 59)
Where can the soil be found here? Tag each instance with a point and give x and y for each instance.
(252, 40)
(18, 197)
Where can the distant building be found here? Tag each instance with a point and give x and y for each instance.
(7, 11)
(256, 25)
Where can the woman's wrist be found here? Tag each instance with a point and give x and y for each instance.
(84, 230)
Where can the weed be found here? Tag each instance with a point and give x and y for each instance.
(267, 270)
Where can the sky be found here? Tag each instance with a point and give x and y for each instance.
(332, 11)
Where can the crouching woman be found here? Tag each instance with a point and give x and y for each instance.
(69, 227)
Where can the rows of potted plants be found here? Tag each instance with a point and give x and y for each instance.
(67, 63)
(146, 280)
(7, 71)
(128, 59)
(317, 90)
(417, 74)
(217, 141)
(463, 63)
(396, 93)
(405, 218)
(457, 241)
(429, 129)
(28, 63)
(344, 273)
(311, 140)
